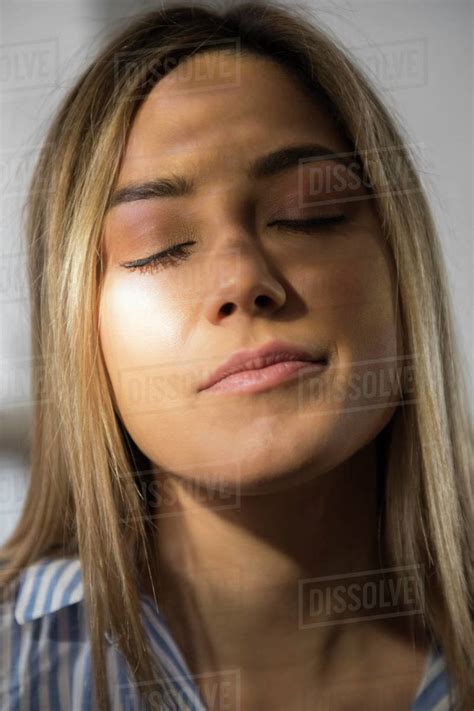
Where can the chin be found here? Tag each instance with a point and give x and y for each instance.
(252, 473)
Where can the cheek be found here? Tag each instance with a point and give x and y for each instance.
(140, 335)
(125, 313)
(356, 297)
(357, 304)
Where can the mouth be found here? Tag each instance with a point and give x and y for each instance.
(264, 377)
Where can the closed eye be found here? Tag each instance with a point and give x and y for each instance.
(179, 252)
(309, 224)
(171, 255)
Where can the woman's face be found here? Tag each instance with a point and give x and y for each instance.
(244, 280)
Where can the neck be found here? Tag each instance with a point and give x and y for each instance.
(241, 586)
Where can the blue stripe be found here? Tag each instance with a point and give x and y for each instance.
(160, 620)
(75, 642)
(15, 647)
(162, 644)
(53, 654)
(62, 653)
(53, 642)
(33, 665)
(125, 685)
(86, 704)
(434, 692)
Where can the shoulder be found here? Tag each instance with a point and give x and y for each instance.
(39, 593)
(45, 587)
(44, 646)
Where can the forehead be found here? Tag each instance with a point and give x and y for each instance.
(217, 109)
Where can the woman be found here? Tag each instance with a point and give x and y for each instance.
(252, 453)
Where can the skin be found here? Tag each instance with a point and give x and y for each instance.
(262, 489)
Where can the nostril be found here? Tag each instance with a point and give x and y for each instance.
(227, 309)
(262, 300)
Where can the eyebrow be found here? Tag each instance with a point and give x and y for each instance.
(263, 167)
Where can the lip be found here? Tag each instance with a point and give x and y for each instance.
(254, 370)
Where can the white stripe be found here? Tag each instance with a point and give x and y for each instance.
(27, 583)
(23, 667)
(111, 675)
(78, 678)
(71, 698)
(436, 668)
(64, 580)
(133, 693)
(77, 594)
(427, 665)
(64, 647)
(112, 666)
(156, 621)
(6, 611)
(42, 592)
(43, 664)
(442, 705)
(167, 667)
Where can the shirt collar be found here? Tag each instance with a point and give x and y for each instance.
(47, 586)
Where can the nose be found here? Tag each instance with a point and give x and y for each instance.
(247, 284)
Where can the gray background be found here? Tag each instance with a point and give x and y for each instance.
(419, 54)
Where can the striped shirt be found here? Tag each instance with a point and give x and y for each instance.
(45, 653)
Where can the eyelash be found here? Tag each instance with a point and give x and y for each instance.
(178, 252)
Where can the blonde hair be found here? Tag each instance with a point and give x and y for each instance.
(83, 497)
